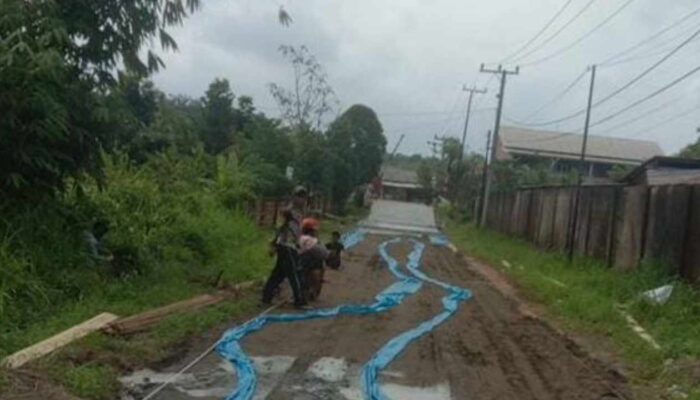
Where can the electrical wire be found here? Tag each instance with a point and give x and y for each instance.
(648, 70)
(539, 33)
(553, 100)
(648, 97)
(643, 115)
(623, 87)
(664, 122)
(650, 38)
(558, 32)
(585, 36)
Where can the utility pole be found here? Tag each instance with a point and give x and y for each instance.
(471, 91)
(584, 144)
(496, 132)
(484, 175)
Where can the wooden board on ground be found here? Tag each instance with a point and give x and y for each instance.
(145, 320)
(47, 346)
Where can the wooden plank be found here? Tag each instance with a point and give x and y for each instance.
(629, 230)
(599, 229)
(691, 254)
(582, 221)
(145, 320)
(57, 341)
(668, 218)
(561, 220)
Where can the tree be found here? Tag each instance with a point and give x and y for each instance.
(311, 98)
(425, 175)
(218, 117)
(357, 139)
(57, 59)
(691, 151)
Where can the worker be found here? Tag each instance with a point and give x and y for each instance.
(312, 255)
(285, 246)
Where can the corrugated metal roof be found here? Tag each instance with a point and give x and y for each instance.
(393, 174)
(521, 141)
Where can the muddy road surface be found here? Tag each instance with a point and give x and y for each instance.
(488, 350)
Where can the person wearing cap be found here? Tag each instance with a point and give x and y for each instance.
(285, 245)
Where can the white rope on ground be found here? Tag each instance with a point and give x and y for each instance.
(199, 358)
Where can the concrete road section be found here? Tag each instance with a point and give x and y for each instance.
(389, 216)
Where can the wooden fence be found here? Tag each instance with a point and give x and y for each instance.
(266, 212)
(622, 226)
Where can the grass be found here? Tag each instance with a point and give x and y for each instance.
(585, 295)
(90, 368)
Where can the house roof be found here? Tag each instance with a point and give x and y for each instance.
(667, 170)
(398, 175)
(522, 141)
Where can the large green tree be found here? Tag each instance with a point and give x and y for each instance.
(219, 117)
(57, 59)
(357, 139)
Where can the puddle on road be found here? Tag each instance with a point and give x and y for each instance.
(327, 378)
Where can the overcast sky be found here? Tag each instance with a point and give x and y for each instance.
(408, 60)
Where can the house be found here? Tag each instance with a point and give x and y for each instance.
(665, 171)
(562, 151)
(402, 185)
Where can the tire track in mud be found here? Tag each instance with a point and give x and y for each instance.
(495, 352)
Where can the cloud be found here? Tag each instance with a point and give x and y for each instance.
(409, 59)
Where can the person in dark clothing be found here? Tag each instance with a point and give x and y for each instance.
(335, 248)
(285, 245)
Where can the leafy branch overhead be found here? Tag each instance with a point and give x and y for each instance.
(311, 98)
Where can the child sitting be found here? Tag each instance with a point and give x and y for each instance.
(335, 248)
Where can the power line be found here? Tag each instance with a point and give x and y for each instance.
(648, 97)
(643, 115)
(649, 70)
(539, 33)
(664, 122)
(559, 31)
(623, 87)
(553, 100)
(650, 38)
(581, 38)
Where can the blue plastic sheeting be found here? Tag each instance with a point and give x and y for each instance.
(391, 350)
(229, 346)
(439, 240)
(352, 238)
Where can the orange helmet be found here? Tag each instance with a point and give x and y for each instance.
(310, 223)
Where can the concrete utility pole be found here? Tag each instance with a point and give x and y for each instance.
(584, 144)
(471, 91)
(484, 175)
(496, 132)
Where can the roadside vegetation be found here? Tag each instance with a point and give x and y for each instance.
(118, 197)
(586, 296)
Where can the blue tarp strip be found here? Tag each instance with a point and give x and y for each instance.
(391, 350)
(439, 240)
(229, 346)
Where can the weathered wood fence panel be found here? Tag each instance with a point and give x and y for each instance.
(629, 234)
(621, 226)
(691, 254)
(666, 224)
(562, 219)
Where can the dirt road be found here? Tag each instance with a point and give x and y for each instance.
(488, 350)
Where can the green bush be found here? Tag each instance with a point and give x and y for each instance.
(174, 226)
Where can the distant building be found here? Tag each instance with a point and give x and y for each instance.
(562, 151)
(665, 171)
(401, 185)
